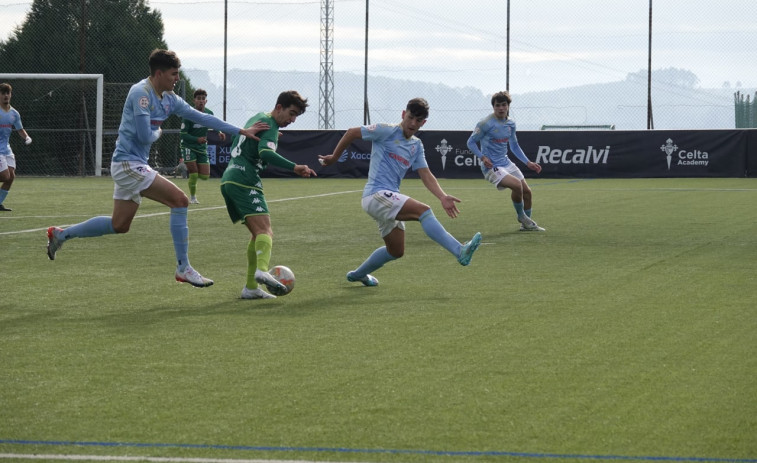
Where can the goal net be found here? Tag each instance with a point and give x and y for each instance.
(63, 113)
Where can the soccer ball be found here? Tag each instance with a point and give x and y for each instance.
(283, 275)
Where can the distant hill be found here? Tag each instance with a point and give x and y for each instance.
(622, 103)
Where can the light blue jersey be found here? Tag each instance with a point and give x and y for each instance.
(9, 121)
(391, 156)
(495, 136)
(142, 100)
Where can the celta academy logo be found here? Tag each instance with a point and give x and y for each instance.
(443, 148)
(669, 148)
(683, 157)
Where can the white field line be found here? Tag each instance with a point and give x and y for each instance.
(115, 458)
(155, 214)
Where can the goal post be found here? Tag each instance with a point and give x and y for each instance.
(56, 111)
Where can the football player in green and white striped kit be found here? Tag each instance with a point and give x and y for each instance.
(194, 146)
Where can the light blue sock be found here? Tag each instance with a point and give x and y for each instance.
(528, 212)
(436, 232)
(3, 195)
(180, 235)
(96, 226)
(519, 208)
(375, 261)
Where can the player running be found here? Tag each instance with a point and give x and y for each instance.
(194, 146)
(148, 104)
(10, 120)
(496, 133)
(394, 150)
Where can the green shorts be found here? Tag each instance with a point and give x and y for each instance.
(242, 201)
(190, 155)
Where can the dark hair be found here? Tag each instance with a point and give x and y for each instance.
(418, 107)
(162, 60)
(502, 96)
(200, 91)
(5, 88)
(292, 98)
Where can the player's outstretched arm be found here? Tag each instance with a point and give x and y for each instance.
(304, 171)
(534, 166)
(25, 136)
(349, 136)
(432, 184)
(251, 131)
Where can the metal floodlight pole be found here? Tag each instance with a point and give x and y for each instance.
(326, 96)
(225, 45)
(650, 120)
(366, 113)
(507, 69)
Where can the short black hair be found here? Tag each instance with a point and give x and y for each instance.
(200, 91)
(5, 88)
(162, 60)
(418, 107)
(292, 98)
(502, 96)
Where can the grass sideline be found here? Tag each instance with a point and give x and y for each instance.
(627, 330)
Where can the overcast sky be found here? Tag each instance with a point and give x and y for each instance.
(553, 44)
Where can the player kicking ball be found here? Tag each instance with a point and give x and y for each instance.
(242, 189)
(394, 150)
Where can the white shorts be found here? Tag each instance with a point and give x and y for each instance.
(496, 174)
(384, 206)
(7, 161)
(131, 178)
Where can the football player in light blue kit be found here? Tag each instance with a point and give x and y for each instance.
(496, 133)
(394, 150)
(10, 120)
(148, 104)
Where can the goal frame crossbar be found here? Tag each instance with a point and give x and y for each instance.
(4, 77)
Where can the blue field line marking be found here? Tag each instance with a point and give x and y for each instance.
(472, 453)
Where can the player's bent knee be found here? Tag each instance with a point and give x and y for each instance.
(396, 253)
(181, 201)
(121, 228)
